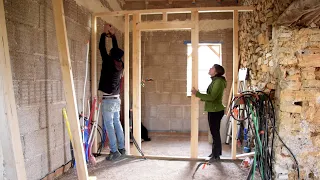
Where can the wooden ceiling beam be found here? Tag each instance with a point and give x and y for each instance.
(178, 10)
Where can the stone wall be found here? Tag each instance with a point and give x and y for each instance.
(297, 56)
(37, 78)
(287, 60)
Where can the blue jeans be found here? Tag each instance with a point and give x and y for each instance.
(112, 124)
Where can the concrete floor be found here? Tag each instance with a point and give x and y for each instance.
(173, 145)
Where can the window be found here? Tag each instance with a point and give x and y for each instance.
(208, 55)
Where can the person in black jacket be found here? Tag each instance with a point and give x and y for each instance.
(111, 73)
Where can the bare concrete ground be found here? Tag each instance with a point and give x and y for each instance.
(138, 169)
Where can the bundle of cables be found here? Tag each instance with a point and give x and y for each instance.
(257, 109)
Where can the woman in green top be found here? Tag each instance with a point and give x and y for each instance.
(214, 106)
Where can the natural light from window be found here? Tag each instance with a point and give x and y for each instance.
(208, 55)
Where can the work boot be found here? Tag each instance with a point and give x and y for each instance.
(122, 151)
(113, 156)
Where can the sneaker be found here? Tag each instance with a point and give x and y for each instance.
(122, 151)
(113, 156)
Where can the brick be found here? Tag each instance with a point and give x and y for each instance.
(56, 135)
(290, 108)
(311, 84)
(33, 167)
(162, 48)
(308, 73)
(176, 112)
(178, 49)
(168, 86)
(160, 124)
(23, 66)
(35, 143)
(56, 157)
(46, 21)
(291, 96)
(151, 111)
(178, 73)
(23, 11)
(163, 111)
(180, 86)
(187, 112)
(151, 99)
(51, 114)
(84, 16)
(290, 85)
(51, 45)
(70, 9)
(165, 98)
(176, 124)
(186, 125)
(150, 86)
(28, 119)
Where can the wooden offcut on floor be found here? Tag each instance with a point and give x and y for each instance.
(165, 145)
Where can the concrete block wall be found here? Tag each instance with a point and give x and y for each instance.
(37, 79)
(165, 104)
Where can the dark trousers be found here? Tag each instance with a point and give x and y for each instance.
(214, 119)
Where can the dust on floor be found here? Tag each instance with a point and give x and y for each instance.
(139, 169)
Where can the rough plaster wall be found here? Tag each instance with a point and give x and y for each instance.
(37, 78)
(165, 106)
(274, 62)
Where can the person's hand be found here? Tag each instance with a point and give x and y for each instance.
(194, 91)
(109, 29)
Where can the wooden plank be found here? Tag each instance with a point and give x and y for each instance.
(161, 25)
(165, 16)
(214, 51)
(9, 128)
(245, 155)
(68, 85)
(136, 80)
(94, 89)
(195, 100)
(178, 10)
(235, 78)
(126, 83)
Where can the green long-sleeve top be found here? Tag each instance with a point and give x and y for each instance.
(213, 98)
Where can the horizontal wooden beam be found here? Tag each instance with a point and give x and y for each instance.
(177, 158)
(161, 25)
(178, 10)
(245, 155)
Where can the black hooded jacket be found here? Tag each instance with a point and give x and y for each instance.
(112, 66)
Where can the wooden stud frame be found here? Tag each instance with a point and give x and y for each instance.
(10, 141)
(69, 90)
(139, 26)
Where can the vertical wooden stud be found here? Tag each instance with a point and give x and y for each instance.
(136, 80)
(164, 16)
(126, 82)
(69, 91)
(94, 89)
(10, 141)
(195, 100)
(235, 78)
